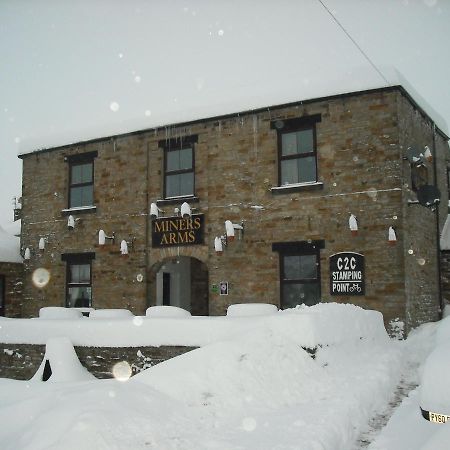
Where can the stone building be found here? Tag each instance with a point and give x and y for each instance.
(322, 197)
(11, 275)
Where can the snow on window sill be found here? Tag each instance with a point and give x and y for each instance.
(297, 187)
(78, 209)
(180, 199)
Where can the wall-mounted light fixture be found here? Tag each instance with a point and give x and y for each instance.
(26, 253)
(230, 231)
(125, 246)
(185, 211)
(392, 236)
(102, 237)
(353, 224)
(154, 211)
(71, 222)
(41, 244)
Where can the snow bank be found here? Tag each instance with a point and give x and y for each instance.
(166, 311)
(251, 309)
(58, 312)
(308, 326)
(63, 362)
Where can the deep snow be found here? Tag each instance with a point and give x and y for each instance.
(253, 390)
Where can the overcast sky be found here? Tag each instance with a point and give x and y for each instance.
(72, 71)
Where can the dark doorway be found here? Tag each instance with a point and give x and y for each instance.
(166, 289)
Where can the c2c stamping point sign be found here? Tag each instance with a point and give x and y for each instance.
(347, 274)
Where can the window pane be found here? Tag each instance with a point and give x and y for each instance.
(81, 196)
(75, 197)
(79, 297)
(307, 169)
(300, 267)
(289, 172)
(80, 273)
(305, 141)
(87, 195)
(297, 294)
(82, 173)
(182, 184)
(186, 158)
(288, 144)
(179, 159)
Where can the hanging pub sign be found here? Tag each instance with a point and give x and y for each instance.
(347, 274)
(175, 231)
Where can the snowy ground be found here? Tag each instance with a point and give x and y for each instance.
(258, 390)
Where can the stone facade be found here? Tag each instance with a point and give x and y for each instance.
(21, 361)
(12, 276)
(362, 139)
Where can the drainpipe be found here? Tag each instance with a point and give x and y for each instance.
(438, 231)
(147, 218)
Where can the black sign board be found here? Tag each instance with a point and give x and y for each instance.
(347, 274)
(175, 231)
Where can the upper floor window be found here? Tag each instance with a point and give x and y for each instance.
(297, 150)
(81, 180)
(179, 167)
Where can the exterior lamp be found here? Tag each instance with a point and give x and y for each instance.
(392, 236)
(229, 229)
(42, 244)
(353, 224)
(124, 248)
(218, 246)
(427, 154)
(154, 211)
(102, 237)
(70, 223)
(185, 210)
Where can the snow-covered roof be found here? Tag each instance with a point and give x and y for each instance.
(9, 247)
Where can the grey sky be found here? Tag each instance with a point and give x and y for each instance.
(76, 70)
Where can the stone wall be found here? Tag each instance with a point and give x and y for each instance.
(21, 361)
(13, 273)
(361, 142)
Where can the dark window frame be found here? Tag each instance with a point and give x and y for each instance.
(300, 248)
(178, 144)
(72, 259)
(2, 295)
(291, 126)
(419, 176)
(78, 160)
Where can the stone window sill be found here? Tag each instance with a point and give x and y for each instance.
(178, 200)
(287, 189)
(79, 210)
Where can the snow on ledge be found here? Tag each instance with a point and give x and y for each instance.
(325, 323)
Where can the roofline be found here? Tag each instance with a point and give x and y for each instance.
(398, 87)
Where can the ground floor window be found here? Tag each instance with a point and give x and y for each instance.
(299, 273)
(2, 295)
(79, 280)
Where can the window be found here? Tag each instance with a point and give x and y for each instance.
(299, 273)
(81, 180)
(179, 168)
(419, 176)
(297, 150)
(79, 279)
(2, 295)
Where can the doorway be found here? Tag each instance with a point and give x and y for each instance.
(180, 281)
